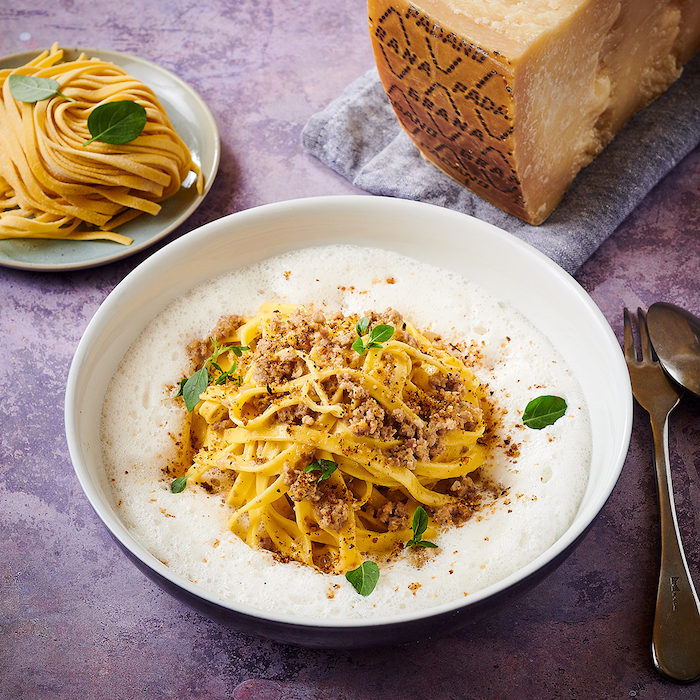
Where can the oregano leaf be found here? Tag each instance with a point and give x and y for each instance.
(325, 466)
(419, 525)
(364, 578)
(194, 386)
(358, 346)
(420, 522)
(179, 484)
(381, 333)
(376, 336)
(362, 326)
(544, 411)
(191, 387)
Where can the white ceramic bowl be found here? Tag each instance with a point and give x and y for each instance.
(501, 263)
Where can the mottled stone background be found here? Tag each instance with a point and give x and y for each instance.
(77, 620)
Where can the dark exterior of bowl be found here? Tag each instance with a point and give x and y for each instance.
(399, 225)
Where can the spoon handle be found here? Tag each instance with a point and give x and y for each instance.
(675, 645)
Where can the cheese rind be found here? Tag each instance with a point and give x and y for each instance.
(512, 100)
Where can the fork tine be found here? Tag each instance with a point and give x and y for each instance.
(677, 612)
(630, 351)
(644, 336)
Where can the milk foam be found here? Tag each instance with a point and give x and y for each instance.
(547, 478)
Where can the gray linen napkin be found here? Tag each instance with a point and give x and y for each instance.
(358, 136)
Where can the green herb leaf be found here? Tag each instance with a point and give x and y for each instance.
(544, 411)
(359, 347)
(224, 374)
(191, 387)
(178, 485)
(420, 522)
(362, 326)
(237, 350)
(325, 466)
(419, 525)
(364, 578)
(181, 386)
(194, 386)
(116, 122)
(379, 334)
(27, 88)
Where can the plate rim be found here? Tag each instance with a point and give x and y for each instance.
(210, 133)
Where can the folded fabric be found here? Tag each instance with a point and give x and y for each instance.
(359, 136)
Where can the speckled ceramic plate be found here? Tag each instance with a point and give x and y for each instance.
(196, 126)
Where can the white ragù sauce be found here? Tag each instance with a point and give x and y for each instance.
(546, 478)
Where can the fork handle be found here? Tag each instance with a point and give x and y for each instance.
(675, 645)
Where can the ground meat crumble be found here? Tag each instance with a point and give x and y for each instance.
(304, 341)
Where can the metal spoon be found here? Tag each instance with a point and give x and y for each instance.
(675, 336)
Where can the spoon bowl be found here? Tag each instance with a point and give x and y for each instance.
(675, 335)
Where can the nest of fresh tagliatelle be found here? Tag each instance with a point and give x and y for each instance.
(333, 436)
(56, 180)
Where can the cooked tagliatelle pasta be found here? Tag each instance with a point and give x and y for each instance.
(324, 450)
(54, 186)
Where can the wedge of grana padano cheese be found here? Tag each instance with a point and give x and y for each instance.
(512, 98)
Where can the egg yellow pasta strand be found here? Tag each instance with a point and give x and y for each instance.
(54, 186)
(400, 425)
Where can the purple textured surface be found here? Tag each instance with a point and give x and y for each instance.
(77, 620)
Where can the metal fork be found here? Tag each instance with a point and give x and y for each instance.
(675, 644)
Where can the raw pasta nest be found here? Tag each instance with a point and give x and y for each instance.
(54, 186)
